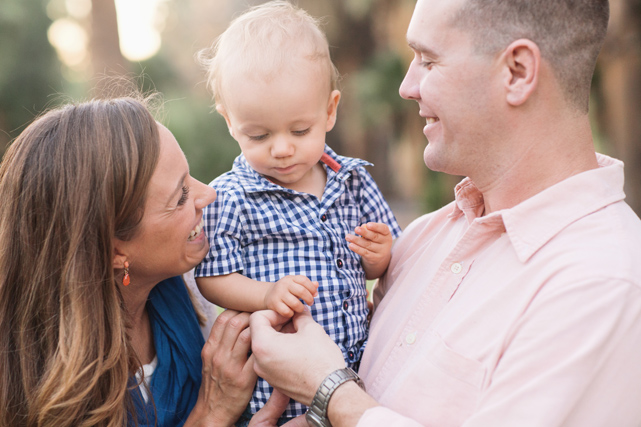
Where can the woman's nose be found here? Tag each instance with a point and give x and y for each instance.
(204, 194)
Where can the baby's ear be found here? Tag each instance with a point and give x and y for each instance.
(332, 107)
(223, 112)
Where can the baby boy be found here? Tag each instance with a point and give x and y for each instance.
(293, 222)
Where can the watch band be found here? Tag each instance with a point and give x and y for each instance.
(316, 415)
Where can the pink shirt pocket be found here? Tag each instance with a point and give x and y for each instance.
(437, 386)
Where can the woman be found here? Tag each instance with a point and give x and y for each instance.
(99, 217)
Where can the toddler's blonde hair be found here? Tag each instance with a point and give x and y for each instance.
(266, 38)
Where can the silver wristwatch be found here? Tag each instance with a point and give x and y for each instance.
(316, 415)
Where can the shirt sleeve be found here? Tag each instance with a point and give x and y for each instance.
(223, 226)
(383, 417)
(374, 208)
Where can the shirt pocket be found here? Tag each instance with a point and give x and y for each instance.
(437, 386)
(348, 212)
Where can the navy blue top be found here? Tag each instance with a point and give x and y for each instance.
(178, 341)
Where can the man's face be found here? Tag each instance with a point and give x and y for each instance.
(455, 87)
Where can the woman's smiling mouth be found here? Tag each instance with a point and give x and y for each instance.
(197, 230)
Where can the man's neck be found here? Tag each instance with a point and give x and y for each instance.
(546, 161)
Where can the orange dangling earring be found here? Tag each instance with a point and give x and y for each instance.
(126, 280)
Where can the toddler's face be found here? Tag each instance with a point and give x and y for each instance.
(281, 123)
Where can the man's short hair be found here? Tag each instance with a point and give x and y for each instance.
(569, 34)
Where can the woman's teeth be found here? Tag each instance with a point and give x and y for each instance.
(196, 231)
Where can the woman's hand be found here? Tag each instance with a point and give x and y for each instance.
(228, 373)
(273, 409)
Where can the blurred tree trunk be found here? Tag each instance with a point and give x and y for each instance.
(619, 77)
(356, 32)
(107, 60)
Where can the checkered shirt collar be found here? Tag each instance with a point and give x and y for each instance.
(338, 168)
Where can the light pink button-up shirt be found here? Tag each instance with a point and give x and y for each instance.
(529, 316)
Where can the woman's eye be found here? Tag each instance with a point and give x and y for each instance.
(184, 196)
(301, 132)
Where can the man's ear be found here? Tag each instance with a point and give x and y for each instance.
(332, 108)
(223, 112)
(522, 59)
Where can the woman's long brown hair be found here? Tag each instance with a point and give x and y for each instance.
(74, 180)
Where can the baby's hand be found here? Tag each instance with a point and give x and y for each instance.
(284, 296)
(374, 244)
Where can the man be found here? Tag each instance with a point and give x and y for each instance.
(519, 304)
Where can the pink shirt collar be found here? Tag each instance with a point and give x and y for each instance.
(533, 222)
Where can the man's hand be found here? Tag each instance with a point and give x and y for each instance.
(284, 296)
(295, 363)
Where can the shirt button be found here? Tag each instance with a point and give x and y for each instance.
(350, 354)
(456, 268)
(339, 263)
(345, 305)
(410, 338)
(323, 217)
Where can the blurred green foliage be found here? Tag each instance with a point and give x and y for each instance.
(200, 130)
(29, 69)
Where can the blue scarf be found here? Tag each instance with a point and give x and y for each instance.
(178, 341)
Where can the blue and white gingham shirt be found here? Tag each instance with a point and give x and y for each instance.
(266, 232)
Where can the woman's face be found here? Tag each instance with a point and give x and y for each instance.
(170, 240)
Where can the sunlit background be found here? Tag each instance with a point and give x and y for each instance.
(140, 25)
(53, 51)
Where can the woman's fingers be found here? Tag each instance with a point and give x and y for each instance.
(219, 326)
(268, 415)
(242, 346)
(227, 327)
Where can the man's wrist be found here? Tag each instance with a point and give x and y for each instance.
(317, 413)
(348, 405)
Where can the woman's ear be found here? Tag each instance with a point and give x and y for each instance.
(119, 256)
(223, 112)
(332, 108)
(522, 59)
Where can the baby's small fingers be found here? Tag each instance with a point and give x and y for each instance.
(283, 309)
(307, 296)
(357, 249)
(367, 233)
(293, 303)
(301, 284)
(302, 292)
(378, 227)
(366, 242)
